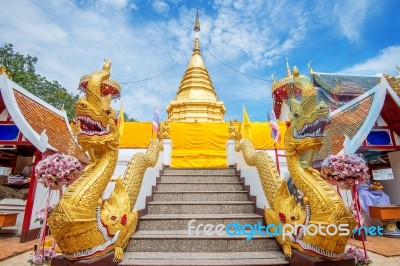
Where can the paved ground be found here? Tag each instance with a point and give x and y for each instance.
(21, 260)
(11, 245)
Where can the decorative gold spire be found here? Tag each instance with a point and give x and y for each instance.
(197, 23)
(310, 69)
(196, 28)
(288, 74)
(196, 99)
(4, 70)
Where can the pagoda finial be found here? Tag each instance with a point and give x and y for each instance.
(196, 28)
(398, 69)
(197, 23)
(273, 77)
(310, 69)
(287, 68)
(4, 70)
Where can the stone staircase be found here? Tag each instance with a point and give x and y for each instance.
(210, 196)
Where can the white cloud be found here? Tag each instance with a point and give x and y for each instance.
(351, 15)
(117, 4)
(72, 40)
(384, 62)
(160, 6)
(260, 33)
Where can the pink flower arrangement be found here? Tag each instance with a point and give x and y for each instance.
(345, 169)
(43, 213)
(359, 255)
(58, 169)
(356, 214)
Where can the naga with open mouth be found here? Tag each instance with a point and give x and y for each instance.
(322, 204)
(83, 224)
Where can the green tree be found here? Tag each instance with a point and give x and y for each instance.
(22, 71)
(128, 119)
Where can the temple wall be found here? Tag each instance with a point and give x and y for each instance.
(392, 187)
(13, 206)
(250, 173)
(149, 180)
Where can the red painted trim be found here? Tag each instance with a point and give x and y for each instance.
(14, 164)
(380, 147)
(31, 195)
(9, 119)
(29, 235)
(393, 138)
(7, 123)
(15, 142)
(2, 106)
(381, 127)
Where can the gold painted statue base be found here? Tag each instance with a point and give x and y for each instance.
(300, 259)
(105, 260)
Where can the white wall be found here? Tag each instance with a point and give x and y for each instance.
(41, 196)
(284, 116)
(392, 187)
(13, 206)
(250, 173)
(150, 176)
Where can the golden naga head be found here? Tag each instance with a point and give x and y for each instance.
(93, 111)
(307, 118)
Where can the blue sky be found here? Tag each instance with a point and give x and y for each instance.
(145, 37)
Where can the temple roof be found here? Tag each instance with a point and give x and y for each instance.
(344, 84)
(356, 119)
(43, 125)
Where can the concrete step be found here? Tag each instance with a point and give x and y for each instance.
(196, 186)
(201, 171)
(186, 207)
(181, 241)
(196, 258)
(200, 195)
(199, 178)
(181, 221)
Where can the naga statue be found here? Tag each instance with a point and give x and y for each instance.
(322, 206)
(83, 225)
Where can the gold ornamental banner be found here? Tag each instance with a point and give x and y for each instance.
(198, 144)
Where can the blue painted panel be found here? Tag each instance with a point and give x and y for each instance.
(9, 132)
(379, 138)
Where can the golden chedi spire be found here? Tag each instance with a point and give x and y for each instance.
(196, 99)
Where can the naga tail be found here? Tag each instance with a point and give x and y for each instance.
(134, 173)
(270, 179)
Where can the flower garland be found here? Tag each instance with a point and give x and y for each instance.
(359, 255)
(43, 213)
(58, 169)
(345, 169)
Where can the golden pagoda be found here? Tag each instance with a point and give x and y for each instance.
(196, 99)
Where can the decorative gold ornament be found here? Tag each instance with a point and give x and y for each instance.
(232, 130)
(196, 99)
(82, 224)
(322, 205)
(165, 129)
(4, 70)
(394, 82)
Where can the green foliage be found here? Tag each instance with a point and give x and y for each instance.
(22, 71)
(128, 119)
